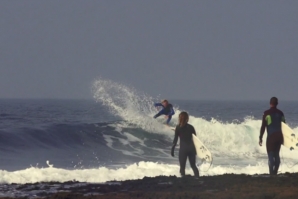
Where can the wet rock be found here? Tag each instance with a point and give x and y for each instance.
(222, 186)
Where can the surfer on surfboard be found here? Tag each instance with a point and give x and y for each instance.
(167, 110)
(272, 119)
(187, 148)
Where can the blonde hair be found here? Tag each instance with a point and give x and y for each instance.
(183, 118)
(166, 101)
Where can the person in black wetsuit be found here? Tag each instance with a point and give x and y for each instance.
(272, 119)
(167, 109)
(187, 149)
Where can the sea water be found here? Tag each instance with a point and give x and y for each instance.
(114, 137)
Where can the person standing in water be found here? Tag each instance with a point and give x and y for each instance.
(272, 119)
(166, 110)
(187, 148)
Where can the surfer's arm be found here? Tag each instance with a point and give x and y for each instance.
(263, 127)
(283, 118)
(194, 131)
(174, 142)
(157, 104)
(176, 137)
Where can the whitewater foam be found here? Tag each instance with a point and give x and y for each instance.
(134, 107)
(236, 139)
(130, 172)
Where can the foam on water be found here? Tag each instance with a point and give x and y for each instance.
(130, 172)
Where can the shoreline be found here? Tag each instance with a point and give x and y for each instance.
(206, 187)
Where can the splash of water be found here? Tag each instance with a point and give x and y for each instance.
(237, 140)
(132, 106)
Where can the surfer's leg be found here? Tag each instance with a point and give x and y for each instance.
(182, 161)
(192, 162)
(169, 119)
(273, 145)
(270, 152)
(271, 163)
(276, 153)
(159, 113)
(276, 162)
(277, 139)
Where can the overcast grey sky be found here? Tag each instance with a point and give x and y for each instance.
(227, 49)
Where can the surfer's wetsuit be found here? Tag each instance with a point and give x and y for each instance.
(168, 110)
(187, 148)
(272, 119)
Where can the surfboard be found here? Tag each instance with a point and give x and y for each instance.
(290, 137)
(202, 152)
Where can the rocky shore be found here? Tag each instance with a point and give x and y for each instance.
(226, 186)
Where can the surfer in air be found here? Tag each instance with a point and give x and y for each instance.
(187, 148)
(272, 119)
(167, 110)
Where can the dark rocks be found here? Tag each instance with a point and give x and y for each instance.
(223, 186)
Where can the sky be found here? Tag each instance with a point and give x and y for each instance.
(190, 49)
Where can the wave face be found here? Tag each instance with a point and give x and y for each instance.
(117, 137)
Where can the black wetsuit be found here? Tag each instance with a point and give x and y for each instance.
(187, 148)
(272, 119)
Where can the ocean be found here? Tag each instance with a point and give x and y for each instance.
(114, 137)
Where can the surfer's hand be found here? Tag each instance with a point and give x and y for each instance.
(260, 142)
(172, 151)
